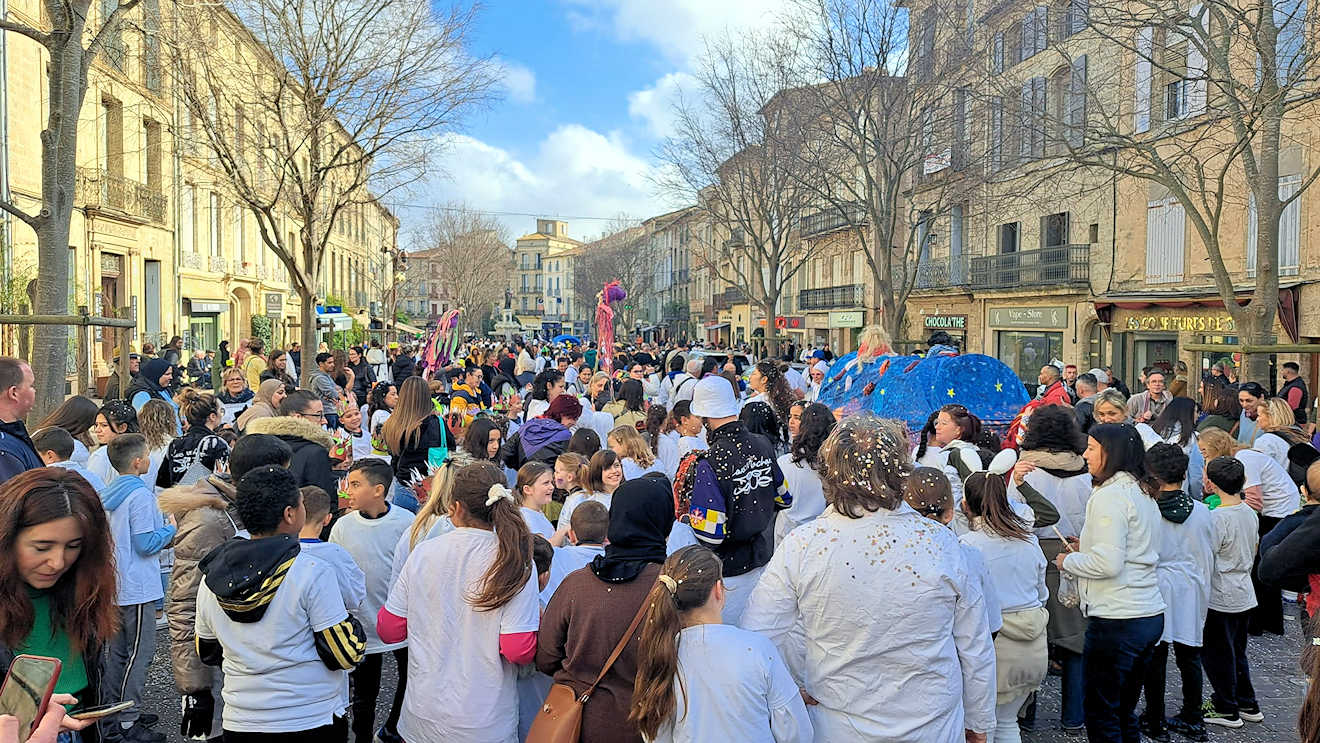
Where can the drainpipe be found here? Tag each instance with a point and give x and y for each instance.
(7, 243)
(177, 158)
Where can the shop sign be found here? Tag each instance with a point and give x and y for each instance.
(1214, 324)
(200, 307)
(847, 319)
(1029, 318)
(274, 304)
(818, 322)
(946, 322)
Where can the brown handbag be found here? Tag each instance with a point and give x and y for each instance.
(560, 718)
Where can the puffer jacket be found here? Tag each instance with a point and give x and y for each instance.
(311, 446)
(206, 518)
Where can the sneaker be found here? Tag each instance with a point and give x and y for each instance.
(385, 736)
(1212, 716)
(141, 734)
(1190, 730)
(1251, 715)
(1154, 731)
(147, 719)
(1076, 731)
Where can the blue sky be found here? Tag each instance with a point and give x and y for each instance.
(587, 92)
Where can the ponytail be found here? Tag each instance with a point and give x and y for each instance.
(475, 487)
(686, 580)
(985, 494)
(656, 417)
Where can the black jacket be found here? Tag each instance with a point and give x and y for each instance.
(311, 450)
(753, 487)
(1290, 552)
(402, 367)
(411, 463)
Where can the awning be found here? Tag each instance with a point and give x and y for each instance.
(208, 306)
(1289, 296)
(404, 327)
(717, 326)
(337, 321)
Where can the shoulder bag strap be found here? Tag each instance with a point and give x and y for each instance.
(618, 649)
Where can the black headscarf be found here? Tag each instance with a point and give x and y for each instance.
(641, 515)
(148, 380)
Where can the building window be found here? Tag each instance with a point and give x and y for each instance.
(1035, 32)
(1165, 223)
(926, 42)
(1054, 230)
(1025, 352)
(1032, 117)
(188, 219)
(1290, 228)
(216, 224)
(995, 133)
(962, 111)
(1008, 237)
(1075, 18)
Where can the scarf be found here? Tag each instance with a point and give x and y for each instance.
(1057, 463)
(1175, 505)
(641, 515)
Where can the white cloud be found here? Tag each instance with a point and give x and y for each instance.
(677, 27)
(575, 171)
(654, 106)
(519, 81)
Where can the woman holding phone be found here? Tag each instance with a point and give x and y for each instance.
(57, 578)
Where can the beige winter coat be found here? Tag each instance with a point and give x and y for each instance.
(206, 518)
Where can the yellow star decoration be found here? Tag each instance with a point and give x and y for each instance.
(950, 392)
(999, 386)
(882, 391)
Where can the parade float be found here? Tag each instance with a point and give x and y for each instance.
(909, 388)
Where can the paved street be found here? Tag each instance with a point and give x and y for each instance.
(1280, 686)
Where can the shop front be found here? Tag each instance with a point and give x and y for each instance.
(203, 317)
(1154, 334)
(954, 325)
(817, 326)
(844, 327)
(1027, 338)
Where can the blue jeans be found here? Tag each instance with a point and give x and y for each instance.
(1074, 687)
(403, 498)
(1117, 654)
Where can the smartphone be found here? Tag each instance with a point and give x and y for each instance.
(104, 710)
(27, 689)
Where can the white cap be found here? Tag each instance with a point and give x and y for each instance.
(1100, 376)
(714, 398)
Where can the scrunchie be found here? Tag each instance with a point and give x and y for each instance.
(669, 583)
(497, 492)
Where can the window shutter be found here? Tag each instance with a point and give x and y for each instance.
(1077, 102)
(1078, 12)
(1038, 115)
(1196, 68)
(1143, 79)
(1290, 226)
(996, 132)
(1165, 221)
(1252, 219)
(997, 54)
(1025, 114)
(1042, 27)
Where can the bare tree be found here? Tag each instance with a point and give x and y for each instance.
(1224, 92)
(72, 45)
(623, 254)
(467, 257)
(341, 103)
(869, 128)
(734, 157)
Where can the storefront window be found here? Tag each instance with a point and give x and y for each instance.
(1026, 351)
(202, 333)
(1095, 352)
(1158, 353)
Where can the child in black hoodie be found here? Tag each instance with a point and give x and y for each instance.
(265, 605)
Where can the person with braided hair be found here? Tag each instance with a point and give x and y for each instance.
(700, 679)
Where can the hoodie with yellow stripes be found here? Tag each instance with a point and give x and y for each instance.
(245, 575)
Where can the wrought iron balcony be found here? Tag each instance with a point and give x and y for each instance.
(941, 272)
(831, 219)
(95, 187)
(728, 298)
(831, 297)
(736, 239)
(193, 261)
(218, 264)
(1060, 265)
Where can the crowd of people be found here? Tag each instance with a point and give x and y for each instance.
(671, 545)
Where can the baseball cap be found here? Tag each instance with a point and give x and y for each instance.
(1100, 375)
(713, 398)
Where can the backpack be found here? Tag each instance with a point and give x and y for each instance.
(698, 500)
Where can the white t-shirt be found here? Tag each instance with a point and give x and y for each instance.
(537, 408)
(404, 548)
(1237, 532)
(1017, 569)
(1278, 492)
(737, 689)
(371, 543)
(1273, 445)
(361, 443)
(568, 559)
(808, 493)
(577, 499)
(274, 680)
(537, 522)
(352, 583)
(448, 640)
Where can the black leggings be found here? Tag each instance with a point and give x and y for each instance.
(366, 689)
(1268, 614)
